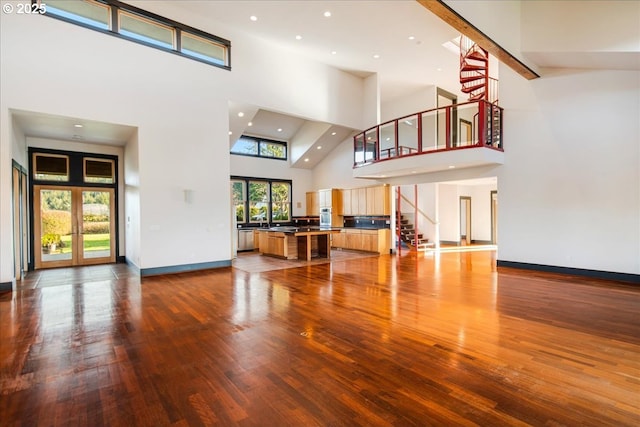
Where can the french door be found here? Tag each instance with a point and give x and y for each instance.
(73, 226)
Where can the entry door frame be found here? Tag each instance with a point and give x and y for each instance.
(77, 247)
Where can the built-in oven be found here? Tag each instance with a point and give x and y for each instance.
(325, 217)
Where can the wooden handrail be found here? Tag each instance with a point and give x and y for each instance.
(418, 210)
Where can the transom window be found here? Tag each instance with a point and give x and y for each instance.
(260, 147)
(55, 167)
(123, 20)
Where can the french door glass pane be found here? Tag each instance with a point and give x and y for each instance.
(55, 225)
(96, 224)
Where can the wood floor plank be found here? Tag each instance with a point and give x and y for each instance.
(411, 340)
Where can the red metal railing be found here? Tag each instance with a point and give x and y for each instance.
(459, 126)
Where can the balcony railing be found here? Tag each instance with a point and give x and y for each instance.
(455, 127)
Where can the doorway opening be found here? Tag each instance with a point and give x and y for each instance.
(465, 220)
(73, 209)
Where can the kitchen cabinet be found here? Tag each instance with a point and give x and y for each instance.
(362, 201)
(378, 200)
(346, 202)
(363, 240)
(313, 206)
(331, 198)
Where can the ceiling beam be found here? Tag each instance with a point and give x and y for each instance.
(451, 17)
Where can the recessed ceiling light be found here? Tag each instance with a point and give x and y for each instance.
(319, 147)
(253, 18)
(411, 37)
(306, 160)
(327, 14)
(333, 133)
(298, 37)
(333, 52)
(279, 129)
(452, 167)
(230, 133)
(250, 124)
(413, 171)
(78, 126)
(240, 114)
(438, 69)
(376, 56)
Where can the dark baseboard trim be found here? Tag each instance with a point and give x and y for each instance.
(482, 242)
(121, 260)
(6, 286)
(171, 269)
(594, 274)
(449, 242)
(131, 264)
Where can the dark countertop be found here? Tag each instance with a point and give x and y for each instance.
(294, 230)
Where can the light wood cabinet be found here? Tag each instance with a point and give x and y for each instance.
(359, 201)
(313, 207)
(378, 200)
(363, 240)
(338, 239)
(346, 202)
(331, 198)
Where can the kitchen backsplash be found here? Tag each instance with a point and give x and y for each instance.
(367, 222)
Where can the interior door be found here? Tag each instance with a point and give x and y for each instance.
(73, 226)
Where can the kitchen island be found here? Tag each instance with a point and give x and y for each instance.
(301, 243)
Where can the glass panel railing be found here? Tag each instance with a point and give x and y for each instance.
(477, 123)
(408, 136)
(387, 140)
(430, 131)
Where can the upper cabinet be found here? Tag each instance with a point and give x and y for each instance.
(378, 200)
(313, 207)
(331, 198)
(367, 201)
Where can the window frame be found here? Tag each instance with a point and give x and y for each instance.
(115, 7)
(259, 143)
(248, 221)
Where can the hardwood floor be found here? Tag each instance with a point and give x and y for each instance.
(411, 340)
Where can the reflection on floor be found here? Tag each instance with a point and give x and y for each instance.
(254, 262)
(75, 275)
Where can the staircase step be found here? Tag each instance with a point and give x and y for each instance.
(467, 89)
(477, 55)
(468, 79)
(465, 66)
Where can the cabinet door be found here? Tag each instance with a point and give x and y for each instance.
(338, 240)
(361, 195)
(370, 242)
(346, 202)
(354, 240)
(336, 202)
(312, 204)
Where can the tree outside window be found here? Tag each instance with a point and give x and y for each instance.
(280, 201)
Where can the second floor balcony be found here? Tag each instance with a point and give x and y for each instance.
(457, 136)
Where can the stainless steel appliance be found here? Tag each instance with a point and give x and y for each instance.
(245, 239)
(325, 217)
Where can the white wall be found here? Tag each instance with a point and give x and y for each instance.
(131, 169)
(570, 185)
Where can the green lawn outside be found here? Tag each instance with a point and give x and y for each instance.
(92, 242)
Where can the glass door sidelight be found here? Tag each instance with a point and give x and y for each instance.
(73, 226)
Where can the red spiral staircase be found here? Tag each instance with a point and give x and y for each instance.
(474, 70)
